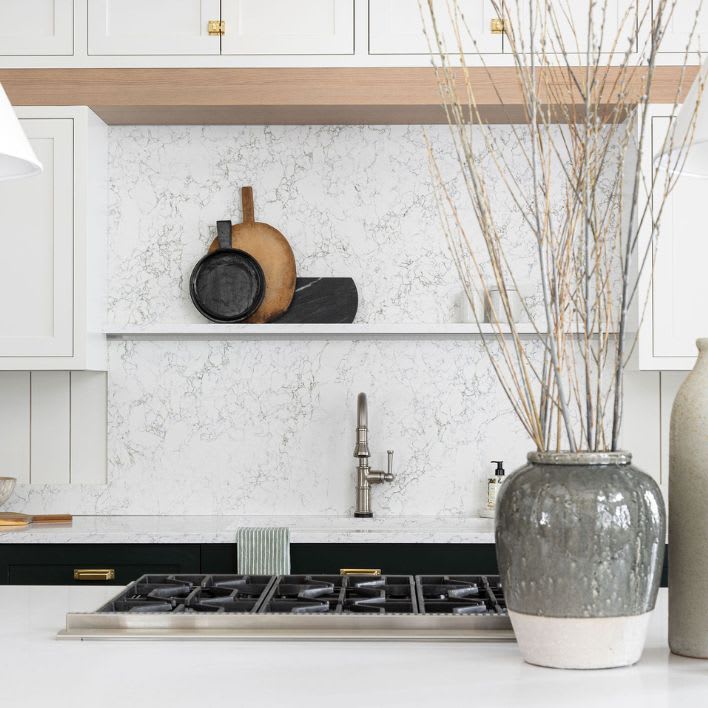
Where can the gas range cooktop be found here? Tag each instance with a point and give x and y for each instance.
(310, 606)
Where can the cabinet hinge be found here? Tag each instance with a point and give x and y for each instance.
(216, 28)
(497, 25)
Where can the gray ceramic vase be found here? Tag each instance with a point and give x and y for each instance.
(580, 544)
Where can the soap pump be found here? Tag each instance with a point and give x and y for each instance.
(493, 484)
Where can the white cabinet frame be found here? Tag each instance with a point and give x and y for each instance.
(160, 30)
(348, 45)
(386, 39)
(676, 39)
(655, 351)
(81, 257)
(37, 217)
(21, 24)
(249, 29)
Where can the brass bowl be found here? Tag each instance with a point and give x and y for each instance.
(7, 485)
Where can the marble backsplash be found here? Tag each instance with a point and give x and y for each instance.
(267, 427)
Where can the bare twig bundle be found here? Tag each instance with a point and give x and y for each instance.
(583, 199)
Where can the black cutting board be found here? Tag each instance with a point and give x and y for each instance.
(322, 301)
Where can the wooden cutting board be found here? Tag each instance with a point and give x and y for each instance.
(9, 518)
(273, 253)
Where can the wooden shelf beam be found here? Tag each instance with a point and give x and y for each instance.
(287, 96)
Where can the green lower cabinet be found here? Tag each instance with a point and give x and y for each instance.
(57, 564)
(394, 558)
(60, 564)
(400, 558)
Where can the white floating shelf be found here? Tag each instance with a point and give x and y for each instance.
(307, 331)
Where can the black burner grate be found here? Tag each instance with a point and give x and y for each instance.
(192, 593)
(316, 594)
(460, 594)
(341, 594)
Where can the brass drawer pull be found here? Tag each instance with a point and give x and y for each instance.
(94, 574)
(360, 571)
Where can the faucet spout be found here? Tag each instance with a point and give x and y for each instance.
(361, 449)
(365, 475)
(362, 411)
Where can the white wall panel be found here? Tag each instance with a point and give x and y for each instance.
(641, 433)
(15, 425)
(88, 427)
(50, 432)
(670, 384)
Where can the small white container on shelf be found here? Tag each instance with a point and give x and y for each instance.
(493, 484)
(494, 306)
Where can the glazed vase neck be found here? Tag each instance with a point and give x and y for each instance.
(565, 457)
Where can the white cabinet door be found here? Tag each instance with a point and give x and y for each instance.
(135, 27)
(396, 27)
(36, 27)
(680, 24)
(673, 289)
(36, 233)
(679, 284)
(287, 27)
(568, 28)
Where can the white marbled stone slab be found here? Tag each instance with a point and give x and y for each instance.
(222, 529)
(267, 427)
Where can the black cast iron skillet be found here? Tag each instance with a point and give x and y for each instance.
(227, 285)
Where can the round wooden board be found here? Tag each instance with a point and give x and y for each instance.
(272, 251)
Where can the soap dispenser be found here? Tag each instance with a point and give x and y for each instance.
(493, 484)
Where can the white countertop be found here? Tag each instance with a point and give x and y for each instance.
(222, 529)
(35, 669)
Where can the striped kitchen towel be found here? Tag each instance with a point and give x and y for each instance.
(263, 550)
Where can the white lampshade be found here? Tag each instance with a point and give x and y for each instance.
(696, 162)
(17, 159)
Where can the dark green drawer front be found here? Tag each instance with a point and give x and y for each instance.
(402, 558)
(64, 574)
(407, 558)
(54, 564)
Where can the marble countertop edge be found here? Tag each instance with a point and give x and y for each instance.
(222, 529)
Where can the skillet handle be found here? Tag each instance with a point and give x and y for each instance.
(223, 233)
(248, 214)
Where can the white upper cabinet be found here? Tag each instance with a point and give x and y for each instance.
(135, 27)
(568, 30)
(680, 24)
(396, 27)
(52, 246)
(287, 27)
(36, 27)
(321, 33)
(36, 229)
(675, 284)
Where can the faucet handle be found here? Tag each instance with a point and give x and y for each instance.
(388, 476)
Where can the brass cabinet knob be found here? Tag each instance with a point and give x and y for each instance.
(497, 25)
(216, 28)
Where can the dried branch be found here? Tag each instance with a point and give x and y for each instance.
(580, 193)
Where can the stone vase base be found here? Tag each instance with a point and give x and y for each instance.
(583, 643)
(690, 652)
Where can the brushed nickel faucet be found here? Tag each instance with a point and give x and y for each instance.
(365, 476)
